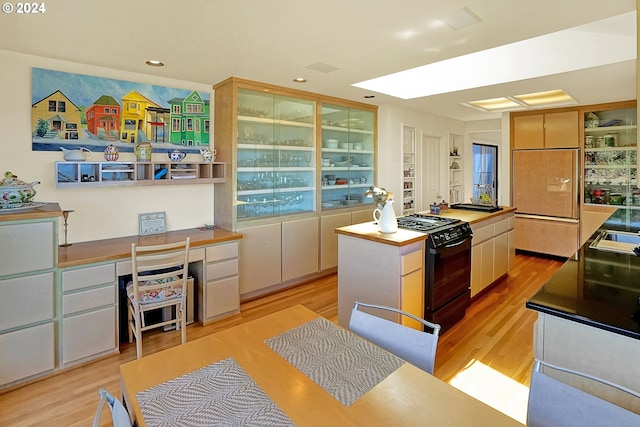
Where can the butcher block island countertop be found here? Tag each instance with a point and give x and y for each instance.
(370, 231)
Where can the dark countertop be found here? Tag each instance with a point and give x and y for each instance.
(597, 288)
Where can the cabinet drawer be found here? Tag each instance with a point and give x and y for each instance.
(86, 277)
(222, 251)
(216, 270)
(27, 352)
(88, 334)
(26, 300)
(86, 300)
(483, 233)
(501, 226)
(26, 247)
(223, 296)
(411, 262)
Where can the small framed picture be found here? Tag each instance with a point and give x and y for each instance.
(152, 223)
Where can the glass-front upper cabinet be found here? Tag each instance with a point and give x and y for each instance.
(348, 156)
(611, 160)
(275, 155)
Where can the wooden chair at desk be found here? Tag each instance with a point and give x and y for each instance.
(414, 346)
(159, 281)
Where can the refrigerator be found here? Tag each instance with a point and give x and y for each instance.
(545, 192)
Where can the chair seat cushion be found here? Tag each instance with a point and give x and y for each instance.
(156, 295)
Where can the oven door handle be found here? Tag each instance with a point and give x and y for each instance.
(453, 245)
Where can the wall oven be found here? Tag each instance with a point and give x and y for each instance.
(447, 287)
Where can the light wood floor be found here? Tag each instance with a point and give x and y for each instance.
(496, 331)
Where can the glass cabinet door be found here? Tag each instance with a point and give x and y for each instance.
(611, 161)
(347, 166)
(275, 155)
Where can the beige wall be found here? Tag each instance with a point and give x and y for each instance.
(99, 212)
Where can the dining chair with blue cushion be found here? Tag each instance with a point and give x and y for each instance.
(414, 346)
(159, 281)
(119, 415)
(553, 403)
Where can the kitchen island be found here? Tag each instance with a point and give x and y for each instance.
(388, 269)
(589, 316)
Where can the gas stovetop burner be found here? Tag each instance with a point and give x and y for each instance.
(441, 230)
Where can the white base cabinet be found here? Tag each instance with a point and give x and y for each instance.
(492, 251)
(274, 255)
(220, 294)
(89, 313)
(27, 303)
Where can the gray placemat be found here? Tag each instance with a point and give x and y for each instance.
(221, 394)
(343, 364)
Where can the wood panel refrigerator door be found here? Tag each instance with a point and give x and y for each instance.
(545, 182)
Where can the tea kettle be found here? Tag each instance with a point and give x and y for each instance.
(143, 151)
(79, 155)
(386, 218)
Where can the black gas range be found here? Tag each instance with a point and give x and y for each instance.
(447, 273)
(441, 230)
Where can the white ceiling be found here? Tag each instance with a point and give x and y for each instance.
(274, 41)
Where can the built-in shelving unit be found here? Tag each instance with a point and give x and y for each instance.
(456, 170)
(408, 170)
(102, 174)
(611, 160)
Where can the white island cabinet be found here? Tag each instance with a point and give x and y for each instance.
(27, 285)
(377, 268)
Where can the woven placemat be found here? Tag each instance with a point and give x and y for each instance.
(343, 364)
(221, 394)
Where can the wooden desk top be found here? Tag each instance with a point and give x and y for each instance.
(409, 396)
(120, 247)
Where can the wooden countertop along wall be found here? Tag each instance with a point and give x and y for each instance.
(48, 210)
(120, 247)
(369, 231)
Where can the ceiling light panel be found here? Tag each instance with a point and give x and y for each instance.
(545, 98)
(460, 18)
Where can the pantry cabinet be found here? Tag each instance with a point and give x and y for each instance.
(551, 129)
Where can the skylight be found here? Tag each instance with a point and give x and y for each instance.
(603, 42)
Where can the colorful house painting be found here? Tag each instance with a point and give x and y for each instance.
(190, 120)
(55, 116)
(76, 110)
(103, 118)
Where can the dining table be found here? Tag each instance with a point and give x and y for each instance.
(292, 367)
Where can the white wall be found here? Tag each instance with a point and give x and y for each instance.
(99, 212)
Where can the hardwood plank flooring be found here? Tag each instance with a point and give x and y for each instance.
(496, 331)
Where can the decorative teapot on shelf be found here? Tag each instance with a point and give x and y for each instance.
(79, 155)
(386, 218)
(176, 155)
(143, 151)
(111, 153)
(208, 155)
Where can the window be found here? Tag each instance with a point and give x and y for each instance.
(194, 108)
(114, 111)
(106, 110)
(198, 126)
(130, 124)
(485, 172)
(71, 126)
(189, 124)
(175, 125)
(206, 126)
(52, 105)
(132, 106)
(176, 109)
(62, 107)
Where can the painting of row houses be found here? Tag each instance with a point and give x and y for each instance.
(74, 109)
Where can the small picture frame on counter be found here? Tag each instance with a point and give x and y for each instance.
(152, 223)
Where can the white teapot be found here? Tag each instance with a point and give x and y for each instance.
(207, 154)
(176, 155)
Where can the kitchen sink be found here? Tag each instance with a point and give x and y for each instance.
(616, 241)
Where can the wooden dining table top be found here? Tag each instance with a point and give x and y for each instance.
(408, 396)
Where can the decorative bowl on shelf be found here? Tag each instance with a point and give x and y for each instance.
(331, 143)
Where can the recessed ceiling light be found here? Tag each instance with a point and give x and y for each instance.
(300, 80)
(154, 63)
(369, 96)
(460, 18)
(494, 104)
(554, 97)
